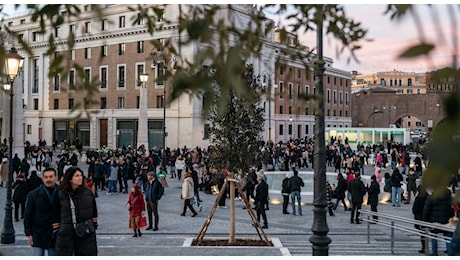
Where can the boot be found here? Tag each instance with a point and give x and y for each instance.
(139, 231)
(135, 233)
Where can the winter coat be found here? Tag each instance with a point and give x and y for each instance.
(20, 190)
(25, 167)
(85, 208)
(285, 186)
(411, 185)
(153, 190)
(98, 171)
(373, 194)
(357, 189)
(4, 171)
(438, 210)
(295, 183)
(341, 188)
(396, 179)
(38, 216)
(187, 188)
(417, 207)
(180, 164)
(137, 203)
(262, 193)
(34, 182)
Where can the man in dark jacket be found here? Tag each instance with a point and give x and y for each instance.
(152, 195)
(438, 210)
(295, 184)
(261, 198)
(358, 190)
(285, 192)
(34, 181)
(39, 214)
(396, 190)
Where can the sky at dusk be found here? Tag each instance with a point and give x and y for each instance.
(389, 38)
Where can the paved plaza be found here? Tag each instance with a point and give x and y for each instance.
(289, 233)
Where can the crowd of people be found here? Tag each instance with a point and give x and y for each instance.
(144, 172)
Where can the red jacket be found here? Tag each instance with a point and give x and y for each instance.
(137, 202)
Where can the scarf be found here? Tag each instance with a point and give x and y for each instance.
(50, 196)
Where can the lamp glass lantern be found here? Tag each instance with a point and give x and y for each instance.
(143, 78)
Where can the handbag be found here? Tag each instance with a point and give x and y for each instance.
(143, 221)
(84, 228)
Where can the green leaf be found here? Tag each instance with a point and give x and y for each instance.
(417, 50)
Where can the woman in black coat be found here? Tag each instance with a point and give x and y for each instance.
(20, 195)
(373, 195)
(340, 191)
(67, 242)
(417, 210)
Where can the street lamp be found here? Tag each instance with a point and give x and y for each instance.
(142, 131)
(291, 127)
(13, 61)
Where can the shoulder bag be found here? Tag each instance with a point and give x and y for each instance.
(82, 229)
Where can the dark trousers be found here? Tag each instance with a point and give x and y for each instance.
(152, 208)
(18, 204)
(285, 203)
(260, 209)
(189, 205)
(179, 174)
(355, 211)
(374, 209)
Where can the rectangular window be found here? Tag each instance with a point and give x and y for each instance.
(88, 27)
(36, 75)
(138, 102)
(121, 22)
(104, 51)
(29, 129)
(87, 53)
(307, 129)
(290, 129)
(299, 91)
(160, 74)
(121, 76)
(340, 98)
(57, 83)
(71, 77)
(290, 90)
(281, 85)
(105, 25)
(281, 130)
(334, 96)
(70, 103)
(346, 98)
(35, 37)
(35, 103)
(299, 74)
(72, 29)
(140, 19)
(121, 102)
(328, 96)
(56, 32)
(160, 101)
(140, 47)
(103, 79)
(139, 70)
(56, 104)
(121, 49)
(103, 102)
(87, 75)
(22, 21)
(281, 110)
(307, 90)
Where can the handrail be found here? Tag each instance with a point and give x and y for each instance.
(425, 227)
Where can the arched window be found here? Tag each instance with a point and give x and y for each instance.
(382, 82)
(409, 82)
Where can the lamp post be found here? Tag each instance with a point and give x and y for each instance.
(319, 240)
(164, 128)
(142, 131)
(292, 128)
(13, 61)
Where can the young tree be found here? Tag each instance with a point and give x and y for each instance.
(236, 131)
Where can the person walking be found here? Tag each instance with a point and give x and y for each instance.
(285, 191)
(340, 191)
(417, 210)
(152, 196)
(180, 166)
(187, 194)
(20, 195)
(112, 177)
(373, 192)
(295, 185)
(136, 206)
(358, 190)
(4, 168)
(411, 185)
(396, 190)
(34, 181)
(438, 210)
(38, 216)
(329, 196)
(76, 204)
(262, 198)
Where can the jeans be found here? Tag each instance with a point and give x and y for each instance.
(393, 165)
(296, 195)
(396, 196)
(113, 186)
(434, 242)
(337, 204)
(404, 168)
(41, 251)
